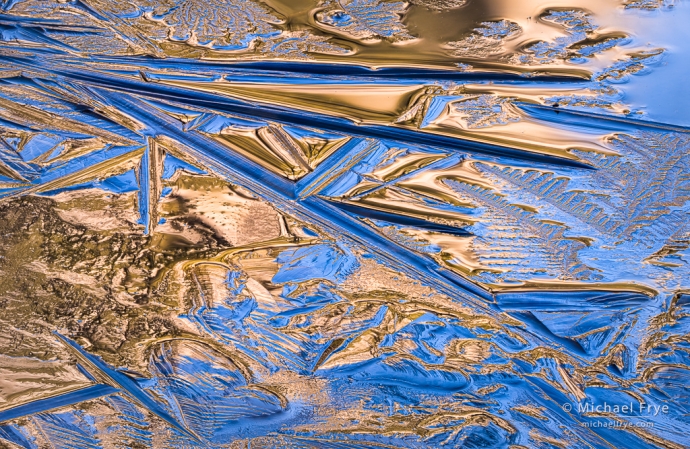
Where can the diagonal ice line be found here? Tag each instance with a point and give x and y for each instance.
(10, 158)
(159, 91)
(72, 172)
(22, 29)
(149, 177)
(446, 162)
(66, 66)
(591, 120)
(396, 218)
(337, 164)
(12, 166)
(126, 384)
(314, 70)
(63, 400)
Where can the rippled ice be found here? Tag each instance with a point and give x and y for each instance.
(344, 224)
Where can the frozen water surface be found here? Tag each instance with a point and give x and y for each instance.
(344, 224)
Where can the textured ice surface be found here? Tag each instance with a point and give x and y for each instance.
(344, 224)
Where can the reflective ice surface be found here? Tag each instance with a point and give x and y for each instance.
(344, 224)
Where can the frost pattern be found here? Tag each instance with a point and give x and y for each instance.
(366, 19)
(486, 40)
